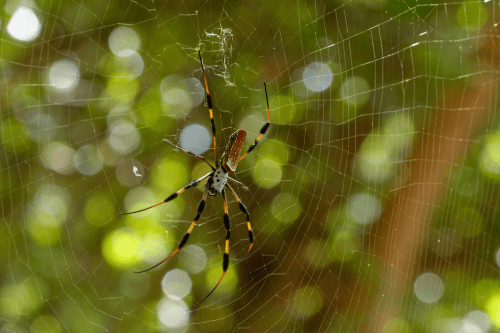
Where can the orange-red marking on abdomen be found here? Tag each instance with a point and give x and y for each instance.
(231, 156)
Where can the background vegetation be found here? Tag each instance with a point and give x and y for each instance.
(373, 197)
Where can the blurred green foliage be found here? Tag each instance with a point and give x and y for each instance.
(322, 181)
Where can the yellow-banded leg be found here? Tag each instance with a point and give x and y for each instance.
(210, 107)
(225, 258)
(245, 211)
(201, 207)
(190, 153)
(263, 130)
(173, 195)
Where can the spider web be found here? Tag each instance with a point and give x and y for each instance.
(373, 196)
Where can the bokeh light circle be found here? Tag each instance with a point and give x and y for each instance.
(374, 159)
(317, 76)
(355, 91)
(497, 257)
(398, 325)
(59, 157)
(490, 157)
(478, 319)
(176, 283)
(24, 25)
(364, 208)
(52, 200)
(472, 15)
(88, 160)
(428, 288)
(99, 210)
(196, 89)
(176, 97)
(173, 313)
(194, 260)
(286, 207)
(123, 39)
(45, 324)
(307, 301)
(195, 138)
(119, 248)
(267, 173)
(124, 137)
(130, 62)
(63, 75)
(154, 248)
(492, 307)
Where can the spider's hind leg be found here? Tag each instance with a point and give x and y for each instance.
(225, 258)
(184, 239)
(245, 211)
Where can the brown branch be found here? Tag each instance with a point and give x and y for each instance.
(403, 226)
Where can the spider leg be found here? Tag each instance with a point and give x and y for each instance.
(263, 130)
(239, 183)
(245, 211)
(210, 107)
(201, 207)
(225, 260)
(190, 153)
(173, 195)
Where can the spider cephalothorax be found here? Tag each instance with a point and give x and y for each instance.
(217, 181)
(229, 160)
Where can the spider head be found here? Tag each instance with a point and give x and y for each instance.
(210, 187)
(211, 192)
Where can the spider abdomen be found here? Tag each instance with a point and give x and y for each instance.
(231, 156)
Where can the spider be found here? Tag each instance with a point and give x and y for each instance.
(217, 181)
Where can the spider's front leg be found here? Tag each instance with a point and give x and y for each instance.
(210, 107)
(173, 195)
(191, 153)
(263, 130)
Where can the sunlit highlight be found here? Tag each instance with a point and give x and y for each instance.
(195, 259)
(317, 76)
(124, 137)
(429, 288)
(195, 138)
(120, 248)
(176, 283)
(63, 76)
(492, 307)
(307, 301)
(286, 208)
(173, 313)
(88, 160)
(364, 208)
(123, 39)
(490, 157)
(24, 25)
(267, 172)
(177, 100)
